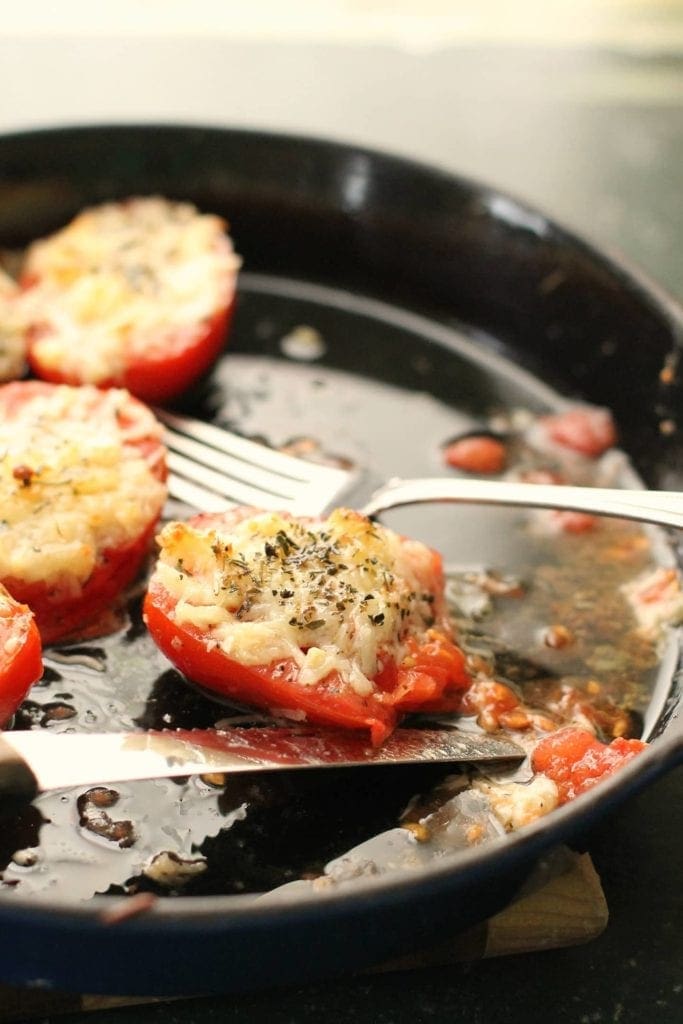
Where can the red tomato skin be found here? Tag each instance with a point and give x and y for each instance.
(275, 686)
(480, 454)
(157, 377)
(59, 612)
(22, 666)
(589, 431)
(158, 380)
(576, 760)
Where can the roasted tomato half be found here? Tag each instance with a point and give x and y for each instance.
(83, 474)
(21, 662)
(337, 621)
(136, 294)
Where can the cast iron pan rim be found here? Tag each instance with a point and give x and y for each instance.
(654, 295)
(227, 913)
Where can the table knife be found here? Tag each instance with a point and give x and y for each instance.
(35, 761)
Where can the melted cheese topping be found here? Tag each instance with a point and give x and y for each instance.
(12, 331)
(69, 486)
(341, 594)
(517, 804)
(131, 278)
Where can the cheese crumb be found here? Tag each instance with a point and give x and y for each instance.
(516, 804)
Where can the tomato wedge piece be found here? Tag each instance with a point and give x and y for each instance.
(477, 453)
(82, 491)
(136, 294)
(21, 662)
(576, 761)
(338, 621)
(589, 430)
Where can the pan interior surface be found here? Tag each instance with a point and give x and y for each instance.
(384, 393)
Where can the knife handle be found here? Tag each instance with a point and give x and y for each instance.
(18, 784)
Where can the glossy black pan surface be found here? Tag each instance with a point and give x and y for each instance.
(418, 282)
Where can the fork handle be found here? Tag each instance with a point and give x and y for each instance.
(665, 508)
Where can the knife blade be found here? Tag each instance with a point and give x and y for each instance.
(33, 762)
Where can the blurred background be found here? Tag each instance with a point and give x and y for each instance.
(575, 105)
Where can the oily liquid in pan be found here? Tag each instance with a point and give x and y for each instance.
(376, 391)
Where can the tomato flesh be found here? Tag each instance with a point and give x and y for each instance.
(589, 431)
(21, 663)
(575, 760)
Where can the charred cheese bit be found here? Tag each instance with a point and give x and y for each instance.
(70, 487)
(341, 594)
(12, 331)
(132, 278)
(516, 804)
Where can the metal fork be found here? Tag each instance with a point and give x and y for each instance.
(211, 469)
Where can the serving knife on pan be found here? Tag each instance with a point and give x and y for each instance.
(32, 762)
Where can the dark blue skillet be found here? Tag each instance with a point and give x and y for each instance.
(418, 280)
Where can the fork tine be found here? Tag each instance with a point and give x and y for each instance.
(211, 468)
(196, 497)
(251, 453)
(221, 482)
(189, 454)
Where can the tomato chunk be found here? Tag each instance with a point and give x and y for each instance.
(82, 491)
(571, 521)
(339, 621)
(476, 454)
(21, 663)
(576, 760)
(491, 701)
(137, 294)
(588, 430)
